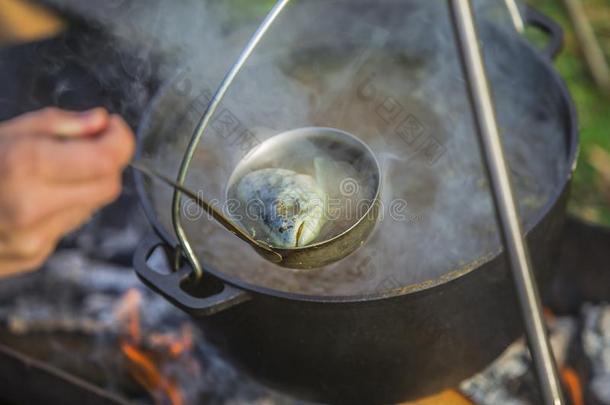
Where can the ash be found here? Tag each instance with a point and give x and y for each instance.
(596, 345)
(582, 347)
(76, 297)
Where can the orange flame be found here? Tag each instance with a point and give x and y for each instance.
(175, 345)
(150, 377)
(128, 313)
(569, 376)
(142, 365)
(573, 384)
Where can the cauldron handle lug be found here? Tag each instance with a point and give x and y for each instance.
(535, 18)
(170, 285)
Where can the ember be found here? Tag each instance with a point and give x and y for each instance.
(148, 360)
(105, 329)
(148, 374)
(572, 381)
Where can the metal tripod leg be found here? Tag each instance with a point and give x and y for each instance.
(504, 200)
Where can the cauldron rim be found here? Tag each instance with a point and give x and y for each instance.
(571, 133)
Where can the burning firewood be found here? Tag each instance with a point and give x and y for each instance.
(149, 357)
(97, 322)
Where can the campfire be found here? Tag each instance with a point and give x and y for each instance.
(511, 378)
(153, 360)
(110, 335)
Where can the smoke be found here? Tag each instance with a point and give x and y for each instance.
(386, 71)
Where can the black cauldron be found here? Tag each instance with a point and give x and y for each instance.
(390, 346)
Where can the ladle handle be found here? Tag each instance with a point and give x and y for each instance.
(537, 19)
(266, 251)
(170, 285)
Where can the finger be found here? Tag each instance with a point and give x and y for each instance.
(87, 159)
(120, 140)
(38, 240)
(38, 202)
(14, 266)
(10, 268)
(55, 122)
(75, 161)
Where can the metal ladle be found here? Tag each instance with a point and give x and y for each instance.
(340, 146)
(262, 248)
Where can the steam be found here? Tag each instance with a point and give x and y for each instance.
(391, 78)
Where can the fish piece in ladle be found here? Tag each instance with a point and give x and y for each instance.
(285, 206)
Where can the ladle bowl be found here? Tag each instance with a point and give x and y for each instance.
(295, 150)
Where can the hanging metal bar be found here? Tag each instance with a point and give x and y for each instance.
(504, 200)
(515, 15)
(205, 121)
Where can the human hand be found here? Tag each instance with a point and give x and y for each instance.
(56, 169)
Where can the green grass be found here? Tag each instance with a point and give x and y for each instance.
(593, 107)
